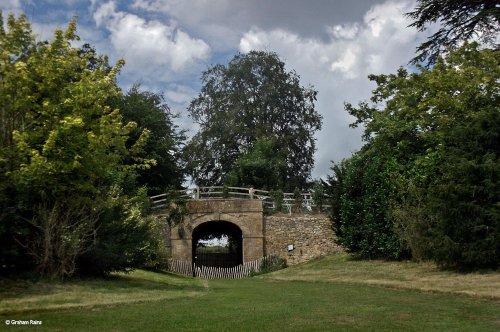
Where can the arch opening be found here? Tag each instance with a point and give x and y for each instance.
(218, 244)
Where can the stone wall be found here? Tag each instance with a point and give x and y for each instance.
(310, 235)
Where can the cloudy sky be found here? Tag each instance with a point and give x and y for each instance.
(167, 44)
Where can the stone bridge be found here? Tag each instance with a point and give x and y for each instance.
(242, 217)
(297, 237)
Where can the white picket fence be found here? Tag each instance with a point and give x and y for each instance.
(212, 272)
(180, 267)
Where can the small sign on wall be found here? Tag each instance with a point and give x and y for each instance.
(290, 247)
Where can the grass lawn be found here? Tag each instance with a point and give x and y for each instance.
(423, 276)
(301, 298)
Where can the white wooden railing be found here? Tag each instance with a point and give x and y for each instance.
(159, 202)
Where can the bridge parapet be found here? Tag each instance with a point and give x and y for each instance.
(204, 206)
(159, 202)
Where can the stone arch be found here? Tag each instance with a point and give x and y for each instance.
(246, 214)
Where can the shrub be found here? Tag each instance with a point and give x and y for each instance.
(366, 221)
(277, 197)
(318, 196)
(124, 238)
(297, 201)
(271, 263)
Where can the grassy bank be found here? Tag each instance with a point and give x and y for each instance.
(301, 298)
(423, 276)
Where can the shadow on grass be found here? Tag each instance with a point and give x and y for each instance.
(114, 283)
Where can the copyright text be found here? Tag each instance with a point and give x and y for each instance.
(23, 322)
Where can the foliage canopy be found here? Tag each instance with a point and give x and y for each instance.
(252, 98)
(151, 113)
(461, 20)
(439, 132)
(68, 162)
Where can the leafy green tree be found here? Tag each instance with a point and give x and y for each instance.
(335, 189)
(441, 127)
(364, 220)
(151, 113)
(252, 98)
(63, 150)
(126, 237)
(461, 20)
(278, 199)
(318, 195)
(15, 43)
(262, 167)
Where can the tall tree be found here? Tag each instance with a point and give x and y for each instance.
(63, 154)
(441, 127)
(253, 97)
(151, 113)
(461, 20)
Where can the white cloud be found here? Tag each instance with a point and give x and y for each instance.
(344, 31)
(388, 20)
(8, 6)
(222, 22)
(255, 39)
(149, 46)
(338, 67)
(217, 21)
(347, 62)
(149, 5)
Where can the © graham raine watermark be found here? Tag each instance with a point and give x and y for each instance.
(23, 322)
